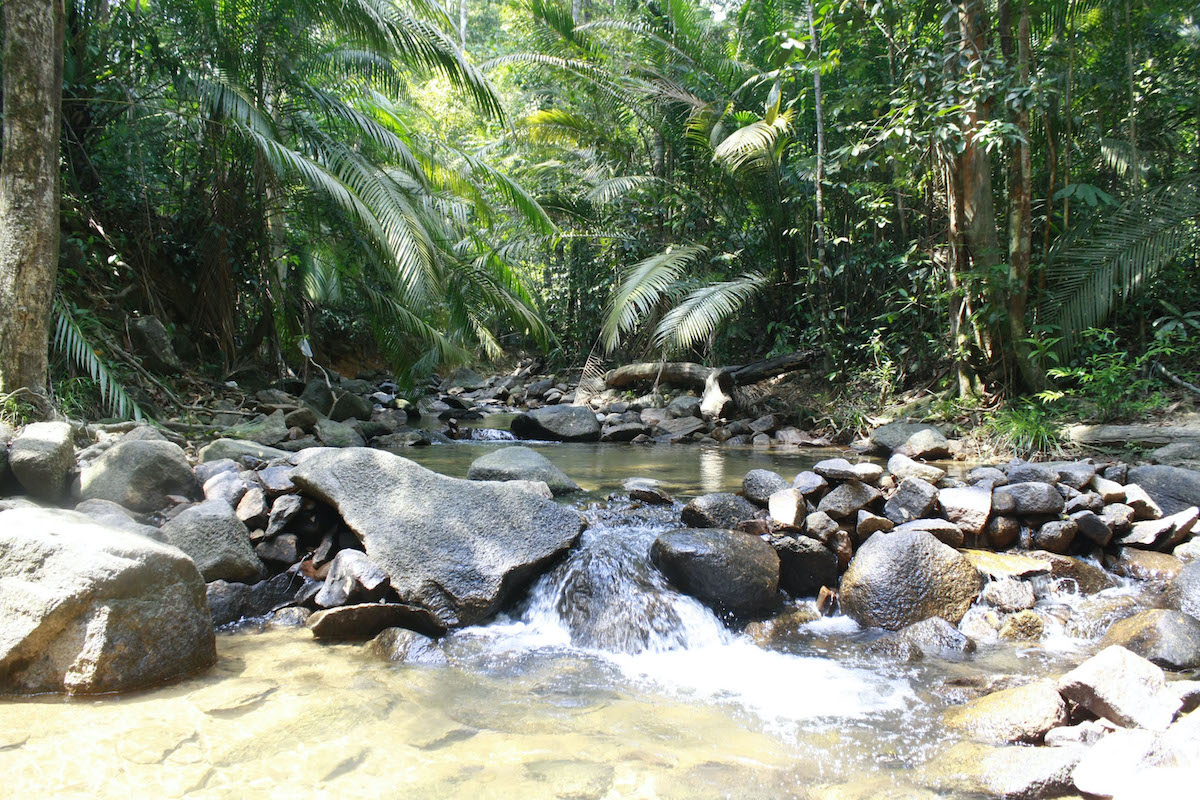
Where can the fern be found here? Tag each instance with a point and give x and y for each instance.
(1115, 256)
(70, 340)
(643, 287)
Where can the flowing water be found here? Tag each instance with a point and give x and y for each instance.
(602, 682)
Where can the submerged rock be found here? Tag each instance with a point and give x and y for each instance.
(95, 609)
(520, 464)
(229, 602)
(731, 570)
(1021, 714)
(455, 547)
(897, 579)
(366, 620)
(409, 647)
(139, 475)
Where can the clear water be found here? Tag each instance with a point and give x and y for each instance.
(602, 683)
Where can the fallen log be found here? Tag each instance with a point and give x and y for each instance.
(716, 383)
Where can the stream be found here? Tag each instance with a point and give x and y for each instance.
(603, 682)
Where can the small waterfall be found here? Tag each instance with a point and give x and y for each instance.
(607, 600)
(491, 435)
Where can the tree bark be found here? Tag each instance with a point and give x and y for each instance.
(29, 189)
(1020, 189)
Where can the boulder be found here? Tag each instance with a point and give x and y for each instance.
(458, 548)
(904, 467)
(988, 475)
(868, 523)
(1024, 625)
(1141, 502)
(558, 423)
(936, 635)
(787, 508)
(230, 602)
(520, 464)
(351, 406)
(353, 578)
(1161, 534)
(835, 469)
(1173, 489)
(1143, 565)
(943, 530)
(95, 609)
(973, 769)
(266, 430)
(914, 499)
(810, 483)
(1056, 535)
(1021, 714)
(1123, 687)
(623, 432)
(152, 344)
(367, 620)
(967, 507)
(115, 516)
(338, 434)
(1009, 595)
(1185, 589)
(760, 484)
(318, 396)
(1027, 498)
(1170, 639)
(469, 380)
(229, 487)
(912, 439)
(647, 490)
(805, 565)
(999, 566)
(848, 498)
(42, 458)
(718, 510)
(401, 645)
(730, 570)
(236, 449)
(897, 579)
(216, 540)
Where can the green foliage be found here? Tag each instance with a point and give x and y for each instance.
(1028, 429)
(1114, 382)
(70, 339)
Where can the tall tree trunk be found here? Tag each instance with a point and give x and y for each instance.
(462, 24)
(819, 111)
(975, 164)
(1020, 189)
(29, 189)
(1135, 167)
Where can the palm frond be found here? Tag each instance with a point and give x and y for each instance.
(618, 187)
(1115, 256)
(70, 339)
(698, 315)
(753, 143)
(642, 287)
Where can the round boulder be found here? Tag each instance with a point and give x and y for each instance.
(138, 475)
(718, 510)
(520, 464)
(219, 542)
(1185, 589)
(96, 609)
(898, 579)
(558, 423)
(760, 484)
(730, 570)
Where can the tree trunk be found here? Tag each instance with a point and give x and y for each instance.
(1020, 189)
(29, 189)
(462, 24)
(1135, 168)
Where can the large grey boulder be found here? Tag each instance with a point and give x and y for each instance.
(41, 458)
(351, 406)
(731, 570)
(520, 464)
(1028, 498)
(914, 499)
(558, 423)
(318, 396)
(138, 475)
(266, 430)
(153, 344)
(116, 516)
(90, 609)
(1172, 488)
(718, 510)
(897, 579)
(848, 498)
(805, 565)
(455, 547)
(219, 542)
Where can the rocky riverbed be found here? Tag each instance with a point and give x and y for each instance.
(123, 548)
